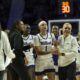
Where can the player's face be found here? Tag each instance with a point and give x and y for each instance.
(43, 27)
(55, 31)
(27, 29)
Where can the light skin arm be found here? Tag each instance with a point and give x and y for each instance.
(40, 52)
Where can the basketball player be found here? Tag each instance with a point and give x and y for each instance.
(55, 33)
(28, 51)
(43, 46)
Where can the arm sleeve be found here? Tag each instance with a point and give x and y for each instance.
(6, 46)
(74, 49)
(36, 41)
(18, 45)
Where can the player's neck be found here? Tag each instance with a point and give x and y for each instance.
(43, 33)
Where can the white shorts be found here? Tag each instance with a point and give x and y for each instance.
(44, 64)
(31, 60)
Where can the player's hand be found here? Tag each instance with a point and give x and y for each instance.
(32, 45)
(55, 51)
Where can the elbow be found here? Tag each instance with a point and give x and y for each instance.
(11, 55)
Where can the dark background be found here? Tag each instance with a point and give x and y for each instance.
(32, 11)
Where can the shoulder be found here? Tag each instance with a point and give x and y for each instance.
(3, 34)
(13, 33)
(4, 37)
(37, 35)
(33, 36)
(52, 34)
(60, 37)
(73, 37)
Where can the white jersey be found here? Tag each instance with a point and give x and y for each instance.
(79, 46)
(78, 56)
(45, 42)
(26, 42)
(28, 52)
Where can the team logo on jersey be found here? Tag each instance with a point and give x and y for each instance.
(45, 43)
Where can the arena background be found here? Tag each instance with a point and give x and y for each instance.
(31, 11)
